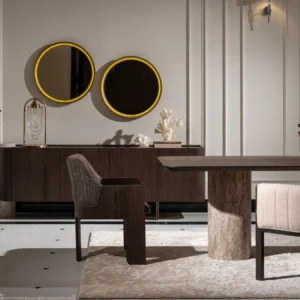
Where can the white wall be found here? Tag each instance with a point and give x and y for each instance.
(252, 81)
(107, 29)
(238, 87)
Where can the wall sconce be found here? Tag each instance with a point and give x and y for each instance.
(267, 11)
(34, 124)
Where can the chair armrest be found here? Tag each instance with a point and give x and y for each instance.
(120, 181)
(123, 199)
(123, 193)
(115, 202)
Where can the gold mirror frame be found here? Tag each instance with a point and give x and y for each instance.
(58, 45)
(118, 61)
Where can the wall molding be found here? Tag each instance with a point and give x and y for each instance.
(203, 73)
(1, 71)
(241, 79)
(195, 62)
(284, 31)
(224, 79)
(188, 71)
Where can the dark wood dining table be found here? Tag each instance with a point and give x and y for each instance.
(229, 196)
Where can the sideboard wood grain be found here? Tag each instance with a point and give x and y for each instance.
(52, 178)
(141, 163)
(28, 174)
(183, 186)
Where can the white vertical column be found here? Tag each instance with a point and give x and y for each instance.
(214, 77)
(234, 77)
(197, 97)
(263, 81)
(291, 81)
(292, 76)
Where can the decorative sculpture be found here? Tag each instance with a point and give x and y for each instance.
(166, 126)
(143, 140)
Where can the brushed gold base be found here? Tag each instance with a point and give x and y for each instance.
(35, 146)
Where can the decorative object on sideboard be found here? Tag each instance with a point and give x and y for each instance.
(64, 72)
(7, 145)
(143, 141)
(162, 144)
(167, 125)
(35, 126)
(131, 87)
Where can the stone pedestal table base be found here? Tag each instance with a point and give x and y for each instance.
(7, 210)
(229, 215)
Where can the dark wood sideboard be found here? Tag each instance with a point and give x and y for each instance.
(41, 175)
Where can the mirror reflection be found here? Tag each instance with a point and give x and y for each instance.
(131, 87)
(64, 72)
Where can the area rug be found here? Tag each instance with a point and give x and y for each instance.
(178, 267)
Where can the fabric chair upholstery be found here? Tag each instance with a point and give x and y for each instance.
(277, 211)
(278, 206)
(86, 183)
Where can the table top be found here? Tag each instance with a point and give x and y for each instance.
(231, 163)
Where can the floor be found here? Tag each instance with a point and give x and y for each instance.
(38, 260)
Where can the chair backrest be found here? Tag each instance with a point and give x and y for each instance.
(86, 183)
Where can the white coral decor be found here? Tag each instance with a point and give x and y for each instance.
(166, 126)
(143, 140)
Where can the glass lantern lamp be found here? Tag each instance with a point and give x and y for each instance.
(35, 123)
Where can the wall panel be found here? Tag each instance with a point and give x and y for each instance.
(214, 77)
(234, 77)
(196, 71)
(1, 69)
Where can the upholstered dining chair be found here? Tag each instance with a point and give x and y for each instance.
(277, 211)
(109, 198)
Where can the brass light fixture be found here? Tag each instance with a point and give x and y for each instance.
(267, 11)
(34, 131)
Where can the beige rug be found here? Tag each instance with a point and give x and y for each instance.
(179, 268)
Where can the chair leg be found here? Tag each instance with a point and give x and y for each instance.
(78, 239)
(135, 234)
(259, 254)
(125, 234)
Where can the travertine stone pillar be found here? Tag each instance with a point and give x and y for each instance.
(229, 215)
(7, 210)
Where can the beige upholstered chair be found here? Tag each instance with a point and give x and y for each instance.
(277, 211)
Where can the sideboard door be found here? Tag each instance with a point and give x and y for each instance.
(180, 186)
(141, 163)
(28, 175)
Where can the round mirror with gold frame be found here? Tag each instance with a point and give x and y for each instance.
(131, 87)
(64, 72)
